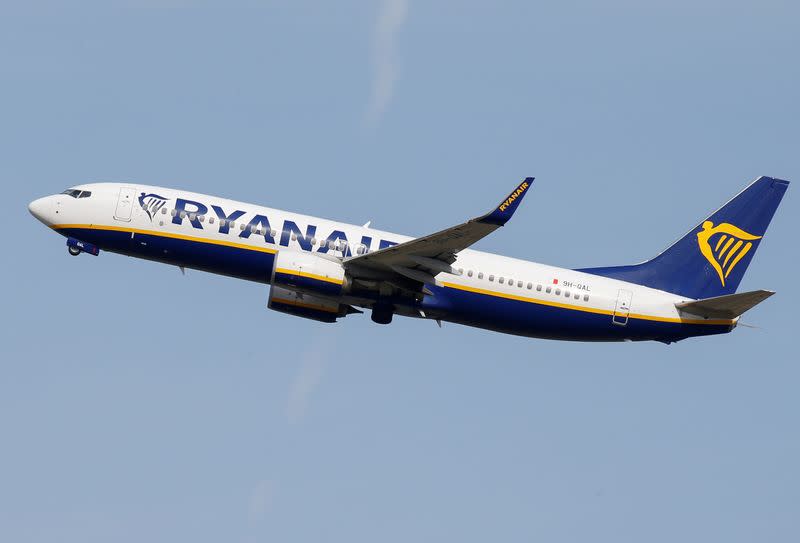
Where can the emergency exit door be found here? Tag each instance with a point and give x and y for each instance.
(623, 308)
(125, 204)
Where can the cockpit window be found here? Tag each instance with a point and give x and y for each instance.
(75, 193)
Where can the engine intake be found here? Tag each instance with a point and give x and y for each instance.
(309, 273)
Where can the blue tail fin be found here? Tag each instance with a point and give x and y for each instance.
(711, 259)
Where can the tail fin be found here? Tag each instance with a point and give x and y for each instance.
(711, 259)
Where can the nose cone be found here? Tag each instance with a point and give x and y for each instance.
(42, 209)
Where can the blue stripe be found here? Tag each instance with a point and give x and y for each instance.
(543, 321)
(231, 261)
(308, 284)
(450, 304)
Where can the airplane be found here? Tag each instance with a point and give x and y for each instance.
(326, 270)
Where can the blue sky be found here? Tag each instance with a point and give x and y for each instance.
(138, 404)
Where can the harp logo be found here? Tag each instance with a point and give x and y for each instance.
(151, 203)
(724, 246)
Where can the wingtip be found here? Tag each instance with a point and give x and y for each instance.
(505, 210)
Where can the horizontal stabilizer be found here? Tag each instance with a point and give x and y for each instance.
(729, 306)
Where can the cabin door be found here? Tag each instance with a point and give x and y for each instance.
(623, 308)
(125, 204)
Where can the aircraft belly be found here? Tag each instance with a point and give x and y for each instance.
(531, 319)
(235, 262)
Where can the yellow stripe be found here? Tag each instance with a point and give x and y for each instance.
(722, 238)
(722, 252)
(739, 257)
(584, 309)
(450, 285)
(306, 306)
(309, 275)
(165, 235)
(732, 252)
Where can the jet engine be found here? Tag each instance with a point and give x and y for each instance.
(309, 286)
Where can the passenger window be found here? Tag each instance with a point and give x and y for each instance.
(254, 230)
(163, 210)
(202, 218)
(530, 286)
(480, 275)
(519, 284)
(183, 214)
(294, 237)
(469, 273)
(548, 290)
(211, 220)
(558, 292)
(192, 216)
(242, 226)
(360, 250)
(501, 280)
(538, 288)
(273, 233)
(491, 278)
(577, 296)
(585, 297)
(231, 225)
(313, 241)
(566, 293)
(173, 212)
(460, 271)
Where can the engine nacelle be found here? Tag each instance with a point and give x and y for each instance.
(306, 305)
(309, 274)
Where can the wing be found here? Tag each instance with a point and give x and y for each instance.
(422, 258)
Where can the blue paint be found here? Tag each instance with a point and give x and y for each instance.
(503, 212)
(453, 305)
(258, 222)
(334, 237)
(682, 269)
(307, 284)
(544, 321)
(220, 259)
(181, 212)
(290, 227)
(224, 219)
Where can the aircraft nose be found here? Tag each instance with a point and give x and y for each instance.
(39, 208)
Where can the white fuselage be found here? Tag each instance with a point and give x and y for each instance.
(108, 213)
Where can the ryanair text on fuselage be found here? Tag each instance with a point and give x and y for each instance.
(191, 210)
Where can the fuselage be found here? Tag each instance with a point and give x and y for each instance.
(241, 240)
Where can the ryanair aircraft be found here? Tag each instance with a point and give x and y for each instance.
(325, 270)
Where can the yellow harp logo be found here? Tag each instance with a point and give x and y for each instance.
(730, 245)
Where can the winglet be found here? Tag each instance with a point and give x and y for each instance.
(502, 213)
